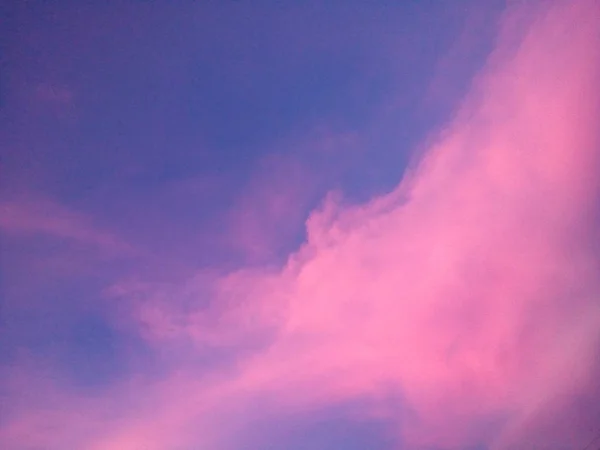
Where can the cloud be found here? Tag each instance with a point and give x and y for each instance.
(470, 292)
(34, 215)
(267, 217)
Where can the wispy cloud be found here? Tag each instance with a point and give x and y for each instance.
(28, 215)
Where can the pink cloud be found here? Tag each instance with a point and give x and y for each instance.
(470, 290)
(471, 284)
(273, 205)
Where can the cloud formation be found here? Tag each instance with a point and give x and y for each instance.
(469, 293)
(27, 216)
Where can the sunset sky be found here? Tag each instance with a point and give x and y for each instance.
(300, 225)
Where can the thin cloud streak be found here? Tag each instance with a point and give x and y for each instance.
(28, 215)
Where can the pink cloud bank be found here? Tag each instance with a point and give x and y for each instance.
(470, 291)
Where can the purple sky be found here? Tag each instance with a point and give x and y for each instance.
(235, 225)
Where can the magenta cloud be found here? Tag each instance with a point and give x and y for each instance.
(470, 292)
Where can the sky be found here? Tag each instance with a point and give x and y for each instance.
(270, 225)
